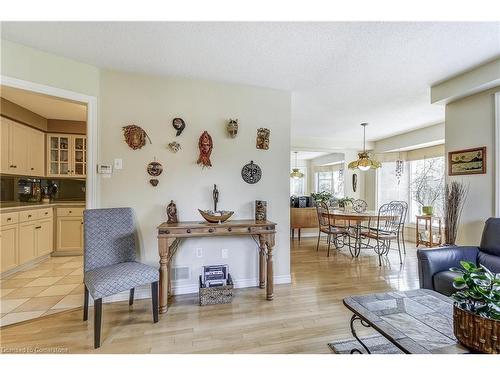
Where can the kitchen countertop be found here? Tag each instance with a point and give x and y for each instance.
(18, 206)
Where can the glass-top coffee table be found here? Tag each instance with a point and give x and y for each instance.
(415, 321)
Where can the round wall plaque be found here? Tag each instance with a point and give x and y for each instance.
(155, 168)
(251, 173)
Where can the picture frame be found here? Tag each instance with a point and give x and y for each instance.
(468, 161)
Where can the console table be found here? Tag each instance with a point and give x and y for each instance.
(171, 235)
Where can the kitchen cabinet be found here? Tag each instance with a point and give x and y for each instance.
(69, 230)
(9, 239)
(22, 149)
(66, 155)
(25, 236)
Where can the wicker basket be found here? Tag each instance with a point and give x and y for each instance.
(475, 332)
(217, 294)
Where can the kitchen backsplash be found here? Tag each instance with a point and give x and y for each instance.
(16, 188)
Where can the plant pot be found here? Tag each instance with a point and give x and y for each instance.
(475, 332)
(427, 210)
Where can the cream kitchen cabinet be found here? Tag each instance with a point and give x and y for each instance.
(22, 149)
(25, 236)
(69, 230)
(66, 155)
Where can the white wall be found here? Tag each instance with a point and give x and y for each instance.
(152, 102)
(423, 137)
(470, 122)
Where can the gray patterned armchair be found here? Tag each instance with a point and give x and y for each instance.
(109, 261)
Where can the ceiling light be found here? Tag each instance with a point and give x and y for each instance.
(364, 162)
(296, 173)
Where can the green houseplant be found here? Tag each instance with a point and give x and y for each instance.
(476, 313)
(323, 196)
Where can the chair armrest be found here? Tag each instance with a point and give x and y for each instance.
(432, 261)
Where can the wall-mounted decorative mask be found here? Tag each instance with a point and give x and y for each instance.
(205, 145)
(354, 182)
(154, 169)
(260, 210)
(178, 125)
(135, 136)
(263, 138)
(251, 173)
(232, 128)
(174, 146)
(171, 213)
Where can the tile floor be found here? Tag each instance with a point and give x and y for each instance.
(54, 285)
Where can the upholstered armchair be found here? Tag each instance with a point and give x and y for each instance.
(109, 261)
(434, 264)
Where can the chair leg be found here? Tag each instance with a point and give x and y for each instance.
(131, 298)
(403, 238)
(317, 245)
(154, 299)
(399, 251)
(329, 243)
(97, 322)
(299, 234)
(85, 304)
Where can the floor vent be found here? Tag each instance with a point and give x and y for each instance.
(181, 273)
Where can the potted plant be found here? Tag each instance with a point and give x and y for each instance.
(323, 196)
(427, 186)
(476, 312)
(346, 201)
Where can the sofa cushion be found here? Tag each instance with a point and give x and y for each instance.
(491, 262)
(490, 242)
(443, 282)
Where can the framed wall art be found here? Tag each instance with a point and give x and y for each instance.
(470, 161)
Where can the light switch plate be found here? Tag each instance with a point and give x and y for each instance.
(118, 163)
(224, 254)
(199, 252)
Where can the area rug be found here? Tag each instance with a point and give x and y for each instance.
(376, 343)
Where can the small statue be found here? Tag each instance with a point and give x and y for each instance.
(178, 125)
(263, 138)
(135, 136)
(205, 145)
(215, 195)
(260, 210)
(232, 128)
(171, 213)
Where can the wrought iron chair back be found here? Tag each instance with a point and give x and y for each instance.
(389, 218)
(323, 215)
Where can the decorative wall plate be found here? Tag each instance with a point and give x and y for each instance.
(135, 136)
(251, 173)
(178, 125)
(155, 169)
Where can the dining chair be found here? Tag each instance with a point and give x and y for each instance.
(109, 261)
(385, 230)
(327, 225)
(401, 230)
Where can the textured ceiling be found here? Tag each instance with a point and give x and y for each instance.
(340, 73)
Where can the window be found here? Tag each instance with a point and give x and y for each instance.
(298, 185)
(331, 181)
(421, 183)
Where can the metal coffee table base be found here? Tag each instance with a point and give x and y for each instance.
(354, 334)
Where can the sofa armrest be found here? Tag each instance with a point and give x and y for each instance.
(432, 261)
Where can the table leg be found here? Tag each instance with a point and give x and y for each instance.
(164, 251)
(270, 274)
(262, 263)
(354, 334)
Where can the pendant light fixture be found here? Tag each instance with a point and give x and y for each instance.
(364, 162)
(296, 173)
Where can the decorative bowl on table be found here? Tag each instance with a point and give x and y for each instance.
(216, 216)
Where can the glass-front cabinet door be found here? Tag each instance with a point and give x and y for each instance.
(67, 155)
(79, 156)
(59, 155)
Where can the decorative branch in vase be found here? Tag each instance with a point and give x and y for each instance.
(454, 200)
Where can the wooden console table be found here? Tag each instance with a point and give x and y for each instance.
(170, 236)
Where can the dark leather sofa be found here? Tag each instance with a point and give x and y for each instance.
(434, 264)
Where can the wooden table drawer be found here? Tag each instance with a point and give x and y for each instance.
(46, 212)
(70, 211)
(28, 215)
(9, 218)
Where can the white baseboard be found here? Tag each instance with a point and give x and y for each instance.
(144, 291)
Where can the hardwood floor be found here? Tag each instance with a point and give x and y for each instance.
(303, 317)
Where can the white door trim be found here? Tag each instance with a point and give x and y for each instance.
(91, 191)
(496, 162)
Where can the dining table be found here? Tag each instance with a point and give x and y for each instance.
(354, 222)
